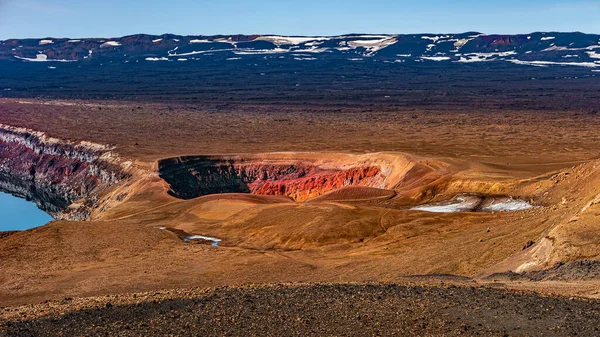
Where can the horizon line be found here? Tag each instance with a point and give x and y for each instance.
(284, 35)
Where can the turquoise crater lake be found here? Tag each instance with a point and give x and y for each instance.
(18, 214)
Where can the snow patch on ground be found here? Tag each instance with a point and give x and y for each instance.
(200, 41)
(200, 237)
(110, 44)
(474, 203)
(154, 59)
(458, 43)
(73, 41)
(157, 40)
(461, 204)
(172, 52)
(555, 48)
(525, 266)
(436, 58)
(546, 38)
(41, 58)
(508, 205)
(44, 42)
(550, 63)
(260, 51)
(560, 48)
(309, 50)
(593, 54)
(38, 58)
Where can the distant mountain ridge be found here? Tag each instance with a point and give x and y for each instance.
(535, 49)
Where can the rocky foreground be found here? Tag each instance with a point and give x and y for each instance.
(301, 310)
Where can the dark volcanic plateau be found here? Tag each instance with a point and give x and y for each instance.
(549, 71)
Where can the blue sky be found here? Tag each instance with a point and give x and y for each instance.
(111, 18)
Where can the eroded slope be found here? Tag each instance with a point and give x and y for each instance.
(61, 177)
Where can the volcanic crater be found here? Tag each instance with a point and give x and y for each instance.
(195, 176)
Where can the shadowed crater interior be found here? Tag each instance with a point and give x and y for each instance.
(194, 176)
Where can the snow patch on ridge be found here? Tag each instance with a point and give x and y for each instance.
(290, 40)
(41, 58)
(110, 44)
(483, 57)
(460, 43)
(550, 63)
(435, 39)
(373, 46)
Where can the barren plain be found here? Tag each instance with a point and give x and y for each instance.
(267, 194)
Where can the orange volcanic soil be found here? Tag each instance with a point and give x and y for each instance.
(283, 203)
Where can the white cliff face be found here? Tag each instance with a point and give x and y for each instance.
(63, 178)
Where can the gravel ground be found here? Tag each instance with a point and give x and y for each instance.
(310, 310)
(582, 270)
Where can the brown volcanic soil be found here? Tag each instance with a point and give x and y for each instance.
(529, 141)
(311, 310)
(349, 235)
(263, 242)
